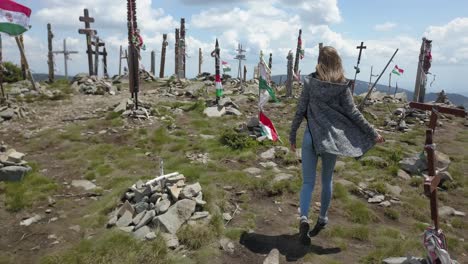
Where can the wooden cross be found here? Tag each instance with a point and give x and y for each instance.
(432, 180)
(121, 57)
(104, 61)
(360, 48)
(96, 53)
(89, 33)
(66, 57)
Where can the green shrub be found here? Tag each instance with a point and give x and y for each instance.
(195, 236)
(11, 72)
(235, 140)
(392, 214)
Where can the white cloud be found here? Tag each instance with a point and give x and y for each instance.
(387, 26)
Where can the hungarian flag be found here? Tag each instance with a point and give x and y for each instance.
(226, 67)
(265, 90)
(14, 18)
(267, 126)
(397, 70)
(219, 86)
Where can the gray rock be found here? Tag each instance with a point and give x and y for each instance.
(385, 204)
(121, 107)
(174, 190)
(112, 221)
(269, 154)
(147, 218)
(413, 165)
(199, 215)
(404, 260)
(199, 199)
(138, 218)
(273, 257)
(175, 179)
(13, 173)
(233, 111)
(394, 190)
(87, 185)
(124, 208)
(214, 111)
(226, 245)
(445, 176)
(252, 171)
(140, 193)
(192, 190)
(141, 207)
(172, 242)
(227, 217)
(7, 114)
(142, 232)
(282, 177)
(150, 236)
(15, 156)
(403, 175)
(177, 215)
(253, 122)
(126, 229)
(376, 199)
(125, 220)
(31, 220)
(399, 111)
(446, 211)
(268, 164)
(162, 206)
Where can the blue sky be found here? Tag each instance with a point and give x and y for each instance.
(268, 25)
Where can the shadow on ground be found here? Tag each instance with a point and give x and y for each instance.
(288, 245)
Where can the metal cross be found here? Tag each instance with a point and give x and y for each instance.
(360, 48)
(66, 57)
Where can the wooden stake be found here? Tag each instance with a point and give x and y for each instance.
(200, 60)
(163, 56)
(50, 55)
(23, 63)
(23, 56)
(176, 49)
(289, 70)
(153, 62)
(1, 68)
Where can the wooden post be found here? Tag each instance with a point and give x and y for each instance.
(219, 85)
(245, 73)
(89, 33)
(120, 60)
(153, 62)
(23, 56)
(270, 61)
(298, 52)
(389, 82)
(320, 49)
(50, 55)
(176, 49)
(1, 68)
(289, 71)
(104, 62)
(182, 46)
(163, 56)
(200, 60)
(419, 72)
(133, 53)
(96, 56)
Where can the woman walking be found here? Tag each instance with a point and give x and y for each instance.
(334, 127)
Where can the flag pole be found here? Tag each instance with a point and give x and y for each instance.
(21, 49)
(1, 68)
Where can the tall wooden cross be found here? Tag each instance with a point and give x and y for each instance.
(433, 179)
(89, 33)
(97, 43)
(298, 52)
(104, 61)
(66, 57)
(356, 68)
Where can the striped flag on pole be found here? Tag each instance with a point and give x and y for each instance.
(267, 126)
(14, 18)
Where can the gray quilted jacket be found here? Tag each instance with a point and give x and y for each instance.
(336, 124)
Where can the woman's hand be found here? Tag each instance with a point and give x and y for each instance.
(293, 148)
(379, 139)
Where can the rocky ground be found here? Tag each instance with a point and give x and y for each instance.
(91, 192)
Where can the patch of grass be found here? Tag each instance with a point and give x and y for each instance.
(34, 187)
(392, 214)
(358, 232)
(416, 181)
(195, 236)
(205, 254)
(379, 187)
(359, 212)
(340, 192)
(234, 233)
(459, 223)
(113, 247)
(237, 141)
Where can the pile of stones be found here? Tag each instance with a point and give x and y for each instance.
(127, 109)
(165, 203)
(9, 111)
(147, 76)
(380, 97)
(225, 107)
(252, 128)
(12, 165)
(416, 165)
(442, 98)
(92, 85)
(24, 88)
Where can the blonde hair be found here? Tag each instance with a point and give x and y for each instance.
(329, 67)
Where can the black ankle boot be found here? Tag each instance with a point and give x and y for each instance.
(317, 228)
(303, 230)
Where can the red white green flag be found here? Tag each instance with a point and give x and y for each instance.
(14, 18)
(267, 126)
(398, 71)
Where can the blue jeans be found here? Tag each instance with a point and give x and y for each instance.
(309, 171)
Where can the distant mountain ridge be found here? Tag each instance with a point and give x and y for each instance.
(362, 87)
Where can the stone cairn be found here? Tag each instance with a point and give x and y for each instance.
(379, 97)
(92, 85)
(225, 107)
(24, 88)
(12, 165)
(442, 98)
(10, 110)
(165, 203)
(127, 109)
(252, 128)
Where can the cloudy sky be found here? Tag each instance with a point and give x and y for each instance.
(271, 26)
